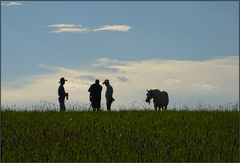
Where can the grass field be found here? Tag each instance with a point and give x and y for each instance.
(83, 136)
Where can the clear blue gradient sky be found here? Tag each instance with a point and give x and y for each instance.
(189, 49)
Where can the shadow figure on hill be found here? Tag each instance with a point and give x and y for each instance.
(95, 95)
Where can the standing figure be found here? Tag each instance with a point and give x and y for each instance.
(62, 94)
(109, 94)
(95, 95)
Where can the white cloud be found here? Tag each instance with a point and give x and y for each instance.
(11, 4)
(64, 25)
(206, 87)
(211, 81)
(172, 81)
(123, 28)
(69, 28)
(106, 62)
(210, 87)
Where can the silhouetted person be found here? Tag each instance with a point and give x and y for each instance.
(95, 95)
(62, 94)
(109, 94)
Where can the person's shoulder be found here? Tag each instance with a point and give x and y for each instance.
(109, 86)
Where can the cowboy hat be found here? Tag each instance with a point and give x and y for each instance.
(62, 79)
(106, 81)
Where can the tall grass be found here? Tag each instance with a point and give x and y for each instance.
(136, 135)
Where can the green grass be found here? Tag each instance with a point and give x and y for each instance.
(126, 136)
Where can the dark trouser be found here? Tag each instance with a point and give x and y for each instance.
(96, 105)
(62, 105)
(109, 103)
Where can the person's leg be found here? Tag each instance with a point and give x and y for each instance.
(98, 105)
(109, 105)
(94, 106)
(62, 106)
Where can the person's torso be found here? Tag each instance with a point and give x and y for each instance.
(61, 91)
(96, 90)
(109, 90)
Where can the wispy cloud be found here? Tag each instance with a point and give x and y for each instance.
(123, 28)
(12, 4)
(172, 81)
(64, 25)
(107, 62)
(206, 87)
(210, 81)
(71, 28)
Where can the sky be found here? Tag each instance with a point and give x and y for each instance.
(189, 49)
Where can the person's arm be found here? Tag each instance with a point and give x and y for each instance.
(111, 92)
(89, 90)
(61, 91)
(106, 94)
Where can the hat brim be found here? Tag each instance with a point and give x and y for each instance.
(62, 80)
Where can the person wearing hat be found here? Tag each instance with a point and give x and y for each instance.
(95, 95)
(62, 94)
(109, 94)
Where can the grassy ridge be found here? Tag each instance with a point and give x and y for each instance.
(120, 136)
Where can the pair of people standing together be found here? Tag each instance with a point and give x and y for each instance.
(95, 94)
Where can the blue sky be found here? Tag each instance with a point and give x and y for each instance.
(189, 49)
